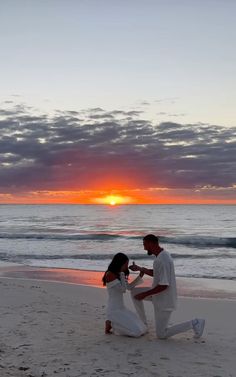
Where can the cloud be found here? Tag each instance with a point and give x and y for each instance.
(95, 148)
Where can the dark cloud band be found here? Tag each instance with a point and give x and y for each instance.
(75, 149)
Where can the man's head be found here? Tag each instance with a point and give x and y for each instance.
(151, 244)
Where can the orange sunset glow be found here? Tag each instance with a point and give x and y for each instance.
(124, 197)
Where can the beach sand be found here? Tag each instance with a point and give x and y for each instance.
(57, 329)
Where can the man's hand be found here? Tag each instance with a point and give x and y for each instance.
(140, 296)
(134, 267)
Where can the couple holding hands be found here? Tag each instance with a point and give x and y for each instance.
(162, 294)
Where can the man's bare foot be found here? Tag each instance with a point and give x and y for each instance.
(108, 327)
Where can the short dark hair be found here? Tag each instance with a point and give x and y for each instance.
(151, 238)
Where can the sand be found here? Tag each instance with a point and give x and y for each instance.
(57, 329)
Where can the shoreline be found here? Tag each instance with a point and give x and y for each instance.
(187, 287)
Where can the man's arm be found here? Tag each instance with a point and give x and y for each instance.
(159, 288)
(147, 271)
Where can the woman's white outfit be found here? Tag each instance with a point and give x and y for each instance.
(123, 320)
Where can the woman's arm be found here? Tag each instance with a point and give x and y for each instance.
(125, 284)
(114, 282)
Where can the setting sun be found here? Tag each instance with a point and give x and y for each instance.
(113, 200)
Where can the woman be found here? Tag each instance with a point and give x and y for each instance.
(119, 319)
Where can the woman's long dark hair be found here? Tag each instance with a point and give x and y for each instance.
(115, 266)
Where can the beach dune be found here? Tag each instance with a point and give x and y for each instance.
(57, 329)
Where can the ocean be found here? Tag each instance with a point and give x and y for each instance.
(200, 238)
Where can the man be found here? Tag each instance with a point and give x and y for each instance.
(163, 292)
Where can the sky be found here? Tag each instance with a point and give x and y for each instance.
(118, 101)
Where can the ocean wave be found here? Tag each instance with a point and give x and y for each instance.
(202, 276)
(61, 237)
(204, 241)
(103, 257)
(191, 240)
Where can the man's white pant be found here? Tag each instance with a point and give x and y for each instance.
(162, 317)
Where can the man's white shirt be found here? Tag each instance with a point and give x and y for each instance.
(164, 274)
